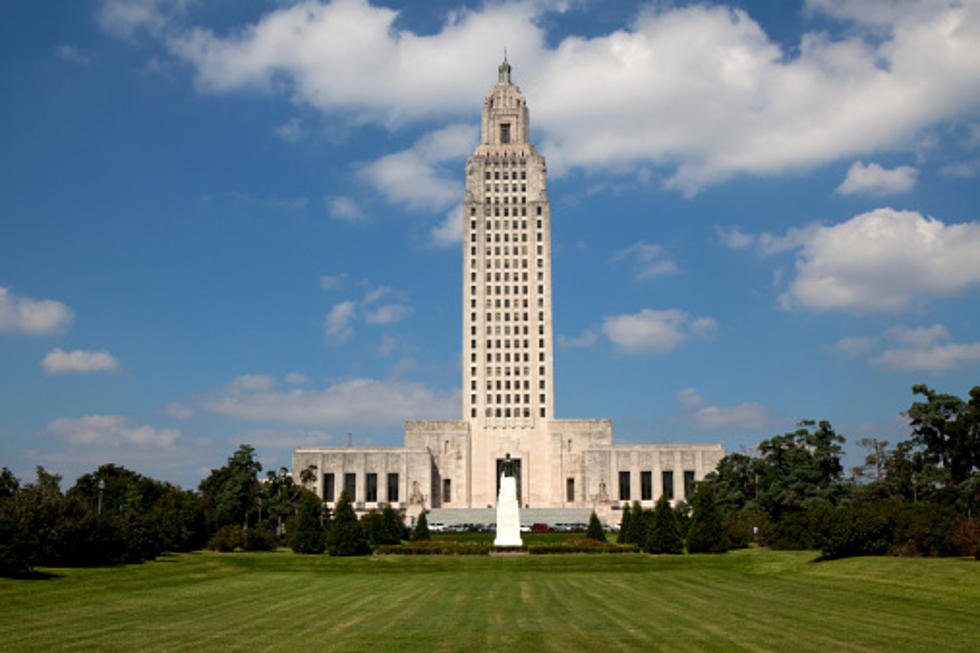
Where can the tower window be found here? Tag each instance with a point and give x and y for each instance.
(505, 132)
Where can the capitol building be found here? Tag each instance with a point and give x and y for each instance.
(507, 370)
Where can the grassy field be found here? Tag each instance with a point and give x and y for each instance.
(753, 599)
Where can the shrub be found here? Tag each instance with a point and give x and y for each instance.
(346, 537)
(580, 545)
(421, 531)
(594, 531)
(625, 521)
(664, 536)
(260, 539)
(706, 533)
(857, 531)
(228, 538)
(308, 536)
(967, 537)
(436, 547)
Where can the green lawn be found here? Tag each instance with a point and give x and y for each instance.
(753, 599)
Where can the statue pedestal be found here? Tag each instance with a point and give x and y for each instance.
(508, 514)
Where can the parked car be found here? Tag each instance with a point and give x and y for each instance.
(541, 528)
(525, 528)
(437, 526)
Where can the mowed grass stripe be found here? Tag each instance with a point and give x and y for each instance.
(751, 600)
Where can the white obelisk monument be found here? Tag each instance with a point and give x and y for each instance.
(508, 514)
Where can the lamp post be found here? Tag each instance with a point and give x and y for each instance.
(101, 487)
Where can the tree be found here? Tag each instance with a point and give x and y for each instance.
(664, 536)
(638, 524)
(948, 430)
(308, 536)
(594, 531)
(346, 537)
(421, 530)
(231, 492)
(706, 533)
(395, 530)
(624, 524)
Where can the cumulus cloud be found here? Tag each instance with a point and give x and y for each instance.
(344, 208)
(58, 361)
(648, 259)
(963, 170)
(918, 349)
(654, 331)
(32, 316)
(250, 382)
(332, 281)
(290, 131)
(110, 431)
(361, 402)
(413, 176)
(295, 378)
(127, 18)
(701, 90)
(449, 232)
(884, 260)
(337, 323)
(872, 179)
(706, 416)
(585, 339)
(178, 410)
(73, 54)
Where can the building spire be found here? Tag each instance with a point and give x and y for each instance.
(503, 70)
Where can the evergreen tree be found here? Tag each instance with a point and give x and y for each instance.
(594, 532)
(638, 525)
(395, 530)
(706, 533)
(664, 536)
(346, 536)
(624, 525)
(421, 531)
(308, 536)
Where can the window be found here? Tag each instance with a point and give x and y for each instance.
(446, 490)
(328, 488)
(667, 480)
(505, 132)
(371, 487)
(624, 486)
(646, 486)
(688, 484)
(569, 490)
(350, 485)
(393, 486)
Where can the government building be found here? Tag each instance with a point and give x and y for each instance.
(508, 371)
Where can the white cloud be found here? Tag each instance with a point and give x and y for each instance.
(32, 316)
(387, 346)
(654, 331)
(585, 339)
(250, 382)
(362, 402)
(413, 176)
(73, 54)
(58, 361)
(110, 431)
(337, 323)
(295, 378)
(734, 238)
(964, 170)
(284, 439)
(178, 410)
(387, 313)
(884, 260)
(853, 347)
(290, 131)
(649, 260)
(918, 337)
(332, 281)
(872, 179)
(705, 416)
(700, 89)
(126, 18)
(938, 358)
(449, 232)
(344, 208)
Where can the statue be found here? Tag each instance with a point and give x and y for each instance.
(415, 498)
(507, 467)
(603, 496)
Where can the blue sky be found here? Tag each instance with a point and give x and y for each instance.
(226, 221)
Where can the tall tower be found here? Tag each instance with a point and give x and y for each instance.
(507, 328)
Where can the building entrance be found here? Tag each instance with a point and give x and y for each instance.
(515, 466)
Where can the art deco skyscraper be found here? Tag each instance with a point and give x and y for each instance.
(507, 325)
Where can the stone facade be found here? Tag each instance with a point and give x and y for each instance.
(507, 369)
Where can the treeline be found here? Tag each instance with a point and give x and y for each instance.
(919, 497)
